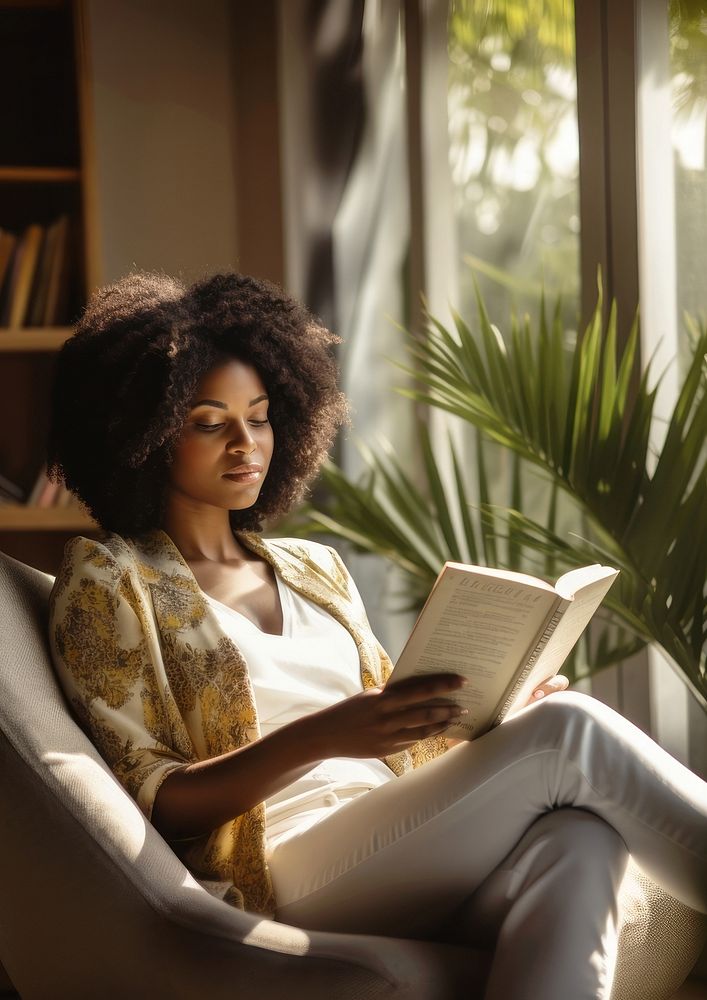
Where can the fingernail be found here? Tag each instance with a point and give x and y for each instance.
(538, 694)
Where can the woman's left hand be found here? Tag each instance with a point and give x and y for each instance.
(557, 683)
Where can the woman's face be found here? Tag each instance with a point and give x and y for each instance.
(224, 450)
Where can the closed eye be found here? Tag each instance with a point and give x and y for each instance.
(215, 427)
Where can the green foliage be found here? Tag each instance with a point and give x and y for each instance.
(688, 48)
(581, 416)
(544, 27)
(513, 147)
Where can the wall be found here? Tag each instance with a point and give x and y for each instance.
(163, 134)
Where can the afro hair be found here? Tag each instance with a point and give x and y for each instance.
(125, 381)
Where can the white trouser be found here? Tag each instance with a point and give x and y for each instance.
(401, 858)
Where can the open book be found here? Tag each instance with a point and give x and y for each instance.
(506, 632)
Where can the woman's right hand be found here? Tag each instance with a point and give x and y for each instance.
(198, 797)
(385, 720)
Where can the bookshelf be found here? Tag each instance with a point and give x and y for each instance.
(41, 175)
(45, 176)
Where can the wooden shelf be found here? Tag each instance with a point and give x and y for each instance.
(33, 338)
(46, 174)
(42, 175)
(32, 3)
(17, 517)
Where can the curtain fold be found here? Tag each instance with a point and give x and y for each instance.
(347, 220)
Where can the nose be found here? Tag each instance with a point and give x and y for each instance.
(241, 441)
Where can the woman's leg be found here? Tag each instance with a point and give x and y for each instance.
(401, 857)
(549, 912)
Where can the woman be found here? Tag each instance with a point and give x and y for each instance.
(235, 688)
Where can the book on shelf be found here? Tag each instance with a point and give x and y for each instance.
(54, 291)
(45, 493)
(505, 632)
(49, 494)
(36, 279)
(22, 275)
(10, 492)
(35, 315)
(37, 487)
(7, 249)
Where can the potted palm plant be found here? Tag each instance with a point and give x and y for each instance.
(581, 418)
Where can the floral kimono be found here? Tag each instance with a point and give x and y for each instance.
(156, 683)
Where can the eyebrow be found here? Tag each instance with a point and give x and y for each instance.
(224, 406)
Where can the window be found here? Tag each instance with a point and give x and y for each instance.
(687, 23)
(514, 152)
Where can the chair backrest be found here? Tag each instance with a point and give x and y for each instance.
(92, 900)
(79, 863)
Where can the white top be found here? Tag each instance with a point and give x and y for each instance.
(312, 665)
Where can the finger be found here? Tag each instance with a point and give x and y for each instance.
(555, 684)
(416, 689)
(427, 715)
(551, 686)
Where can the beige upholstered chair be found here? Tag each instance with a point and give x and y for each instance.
(94, 903)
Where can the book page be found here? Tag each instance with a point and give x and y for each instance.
(575, 580)
(480, 626)
(506, 575)
(577, 614)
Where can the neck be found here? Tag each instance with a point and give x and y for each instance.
(203, 535)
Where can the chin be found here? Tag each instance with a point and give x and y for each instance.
(246, 505)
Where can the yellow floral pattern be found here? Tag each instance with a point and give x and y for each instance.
(157, 684)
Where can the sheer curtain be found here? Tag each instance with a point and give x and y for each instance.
(347, 217)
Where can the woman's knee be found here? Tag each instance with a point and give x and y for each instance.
(569, 711)
(579, 729)
(569, 859)
(572, 840)
(578, 831)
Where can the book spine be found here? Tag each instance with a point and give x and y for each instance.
(532, 660)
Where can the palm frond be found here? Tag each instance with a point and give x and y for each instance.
(581, 414)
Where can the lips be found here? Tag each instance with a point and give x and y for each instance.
(244, 473)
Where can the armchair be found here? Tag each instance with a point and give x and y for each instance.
(95, 902)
